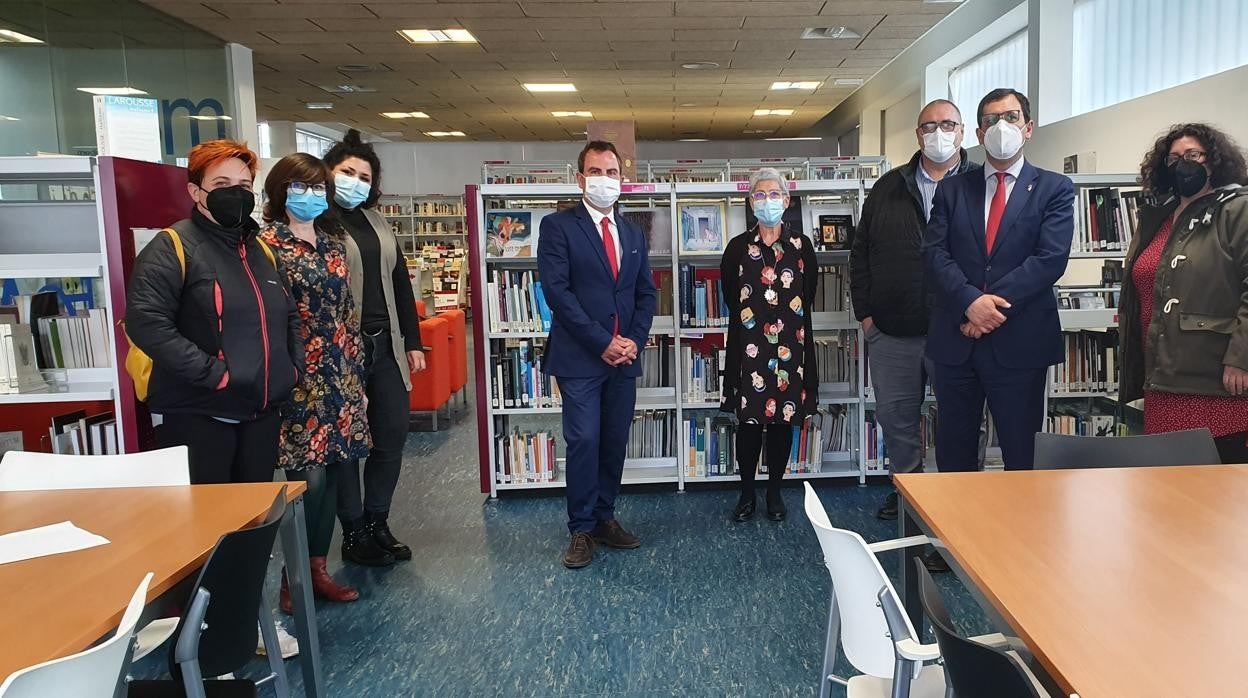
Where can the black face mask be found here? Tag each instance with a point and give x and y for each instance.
(230, 206)
(1188, 178)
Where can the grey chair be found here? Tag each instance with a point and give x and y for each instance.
(1064, 452)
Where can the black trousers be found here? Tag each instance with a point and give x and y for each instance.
(320, 503)
(1232, 447)
(388, 409)
(750, 443)
(221, 452)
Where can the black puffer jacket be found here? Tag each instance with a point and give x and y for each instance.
(886, 265)
(224, 342)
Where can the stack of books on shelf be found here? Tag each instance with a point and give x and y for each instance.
(1105, 219)
(653, 435)
(517, 303)
(1091, 364)
(709, 448)
(448, 207)
(519, 380)
(74, 433)
(392, 209)
(656, 364)
(700, 374)
(525, 457)
(1080, 423)
(833, 293)
(837, 357)
(702, 298)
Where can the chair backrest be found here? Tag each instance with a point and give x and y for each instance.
(857, 579)
(233, 576)
(92, 673)
(974, 670)
(1061, 451)
(25, 470)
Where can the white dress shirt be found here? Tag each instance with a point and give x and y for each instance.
(990, 179)
(597, 216)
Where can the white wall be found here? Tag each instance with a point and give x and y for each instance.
(899, 121)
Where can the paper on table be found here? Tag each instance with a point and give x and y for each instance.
(63, 537)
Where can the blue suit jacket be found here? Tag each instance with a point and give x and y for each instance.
(583, 297)
(1030, 254)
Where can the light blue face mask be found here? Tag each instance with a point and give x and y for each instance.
(305, 206)
(350, 191)
(770, 211)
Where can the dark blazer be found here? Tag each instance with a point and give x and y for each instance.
(1030, 255)
(583, 297)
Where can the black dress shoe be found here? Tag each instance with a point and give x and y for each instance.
(744, 511)
(888, 512)
(359, 545)
(386, 540)
(775, 507)
(934, 562)
(612, 534)
(580, 551)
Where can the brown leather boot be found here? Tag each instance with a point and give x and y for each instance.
(324, 586)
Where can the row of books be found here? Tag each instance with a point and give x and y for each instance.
(1105, 219)
(710, 444)
(1091, 363)
(653, 435)
(700, 374)
(75, 433)
(656, 364)
(875, 457)
(702, 301)
(525, 457)
(517, 303)
(836, 355)
(1081, 424)
(519, 380)
(832, 296)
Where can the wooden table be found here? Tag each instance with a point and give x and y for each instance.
(1122, 582)
(61, 604)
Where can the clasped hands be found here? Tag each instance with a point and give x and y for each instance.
(983, 316)
(620, 351)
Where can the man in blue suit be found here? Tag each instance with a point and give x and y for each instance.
(595, 273)
(998, 239)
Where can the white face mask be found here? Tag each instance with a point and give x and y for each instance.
(1003, 140)
(602, 192)
(938, 146)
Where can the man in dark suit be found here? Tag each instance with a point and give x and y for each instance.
(595, 274)
(998, 239)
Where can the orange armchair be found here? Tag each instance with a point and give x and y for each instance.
(459, 348)
(431, 388)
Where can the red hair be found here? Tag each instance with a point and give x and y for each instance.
(210, 153)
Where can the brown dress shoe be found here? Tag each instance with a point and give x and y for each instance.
(580, 551)
(324, 586)
(612, 534)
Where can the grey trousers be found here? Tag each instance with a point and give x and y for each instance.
(899, 373)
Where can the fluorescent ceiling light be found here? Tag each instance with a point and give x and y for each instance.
(570, 114)
(199, 117)
(847, 82)
(392, 134)
(438, 36)
(444, 134)
(811, 85)
(700, 65)
(694, 140)
(405, 115)
(319, 105)
(8, 118)
(550, 87)
(759, 131)
(773, 112)
(346, 88)
(8, 36)
(112, 91)
(796, 138)
(830, 33)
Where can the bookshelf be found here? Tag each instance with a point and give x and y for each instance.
(421, 220)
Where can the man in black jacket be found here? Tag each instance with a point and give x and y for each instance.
(889, 296)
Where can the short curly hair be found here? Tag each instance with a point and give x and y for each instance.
(1223, 157)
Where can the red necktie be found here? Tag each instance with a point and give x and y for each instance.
(996, 211)
(609, 244)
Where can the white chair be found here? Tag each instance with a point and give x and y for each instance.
(25, 470)
(168, 467)
(92, 673)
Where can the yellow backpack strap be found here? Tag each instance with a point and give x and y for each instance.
(268, 252)
(177, 249)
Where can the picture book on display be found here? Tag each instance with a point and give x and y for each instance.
(702, 227)
(655, 224)
(836, 231)
(510, 234)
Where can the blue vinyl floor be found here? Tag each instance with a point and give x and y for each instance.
(704, 608)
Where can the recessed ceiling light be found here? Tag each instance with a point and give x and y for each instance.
(688, 104)
(811, 85)
(354, 68)
(112, 91)
(694, 140)
(571, 114)
(8, 118)
(550, 87)
(444, 134)
(346, 89)
(199, 117)
(830, 33)
(392, 134)
(438, 36)
(405, 115)
(773, 112)
(847, 82)
(319, 105)
(8, 36)
(700, 65)
(796, 138)
(759, 131)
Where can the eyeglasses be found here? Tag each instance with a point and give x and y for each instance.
(947, 126)
(1012, 116)
(1191, 155)
(774, 195)
(302, 188)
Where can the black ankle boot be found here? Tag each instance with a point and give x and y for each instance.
(386, 540)
(360, 546)
(776, 510)
(744, 511)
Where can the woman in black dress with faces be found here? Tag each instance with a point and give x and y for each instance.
(769, 275)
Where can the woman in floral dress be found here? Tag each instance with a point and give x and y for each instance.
(769, 275)
(325, 423)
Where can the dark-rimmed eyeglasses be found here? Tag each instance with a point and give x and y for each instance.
(774, 195)
(1012, 116)
(1191, 155)
(947, 126)
(303, 188)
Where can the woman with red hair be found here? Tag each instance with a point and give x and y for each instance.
(213, 313)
